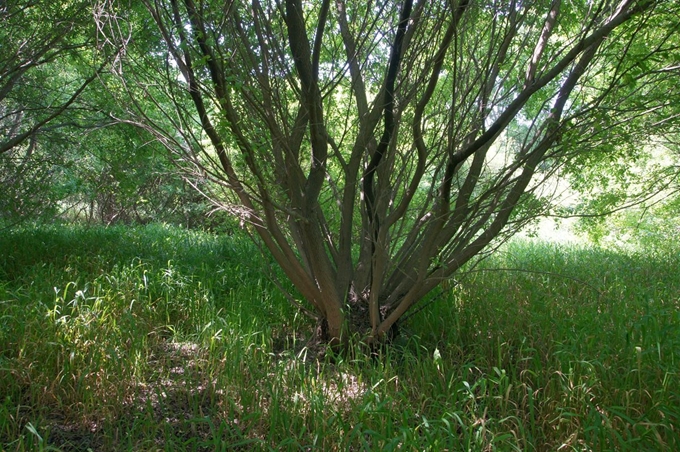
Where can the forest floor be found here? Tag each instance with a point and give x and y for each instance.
(157, 338)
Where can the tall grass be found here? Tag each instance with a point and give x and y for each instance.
(157, 338)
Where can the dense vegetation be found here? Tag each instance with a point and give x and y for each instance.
(156, 338)
(288, 225)
(373, 149)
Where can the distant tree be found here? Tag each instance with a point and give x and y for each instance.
(377, 147)
(49, 56)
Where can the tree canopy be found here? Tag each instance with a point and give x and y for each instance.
(49, 57)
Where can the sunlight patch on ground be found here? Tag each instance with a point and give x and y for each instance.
(331, 387)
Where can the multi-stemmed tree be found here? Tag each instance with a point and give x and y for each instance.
(376, 147)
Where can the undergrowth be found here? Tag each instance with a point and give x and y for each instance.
(157, 338)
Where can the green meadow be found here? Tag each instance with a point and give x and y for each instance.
(157, 338)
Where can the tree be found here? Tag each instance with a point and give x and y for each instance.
(48, 58)
(375, 148)
(40, 39)
(627, 160)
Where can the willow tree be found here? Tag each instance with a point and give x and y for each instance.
(376, 147)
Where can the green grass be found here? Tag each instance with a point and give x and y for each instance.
(157, 338)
